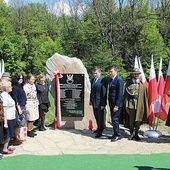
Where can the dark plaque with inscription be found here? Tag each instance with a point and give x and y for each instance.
(72, 95)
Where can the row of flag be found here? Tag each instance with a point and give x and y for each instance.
(157, 91)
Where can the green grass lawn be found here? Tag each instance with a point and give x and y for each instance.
(87, 162)
(51, 113)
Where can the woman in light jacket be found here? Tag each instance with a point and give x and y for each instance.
(31, 104)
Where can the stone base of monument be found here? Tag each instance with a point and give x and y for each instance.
(76, 123)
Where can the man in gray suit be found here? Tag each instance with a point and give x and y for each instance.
(98, 99)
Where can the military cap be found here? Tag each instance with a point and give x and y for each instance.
(135, 71)
(6, 74)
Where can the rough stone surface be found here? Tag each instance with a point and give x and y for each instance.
(73, 141)
(70, 65)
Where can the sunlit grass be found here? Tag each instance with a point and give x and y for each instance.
(51, 113)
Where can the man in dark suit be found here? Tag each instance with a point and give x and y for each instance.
(98, 98)
(115, 101)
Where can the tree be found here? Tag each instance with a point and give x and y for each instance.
(31, 23)
(9, 41)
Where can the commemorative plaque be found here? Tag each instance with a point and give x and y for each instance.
(72, 95)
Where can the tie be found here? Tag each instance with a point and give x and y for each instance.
(111, 82)
(94, 81)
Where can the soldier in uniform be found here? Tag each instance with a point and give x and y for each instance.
(136, 104)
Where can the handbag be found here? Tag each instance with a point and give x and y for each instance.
(21, 120)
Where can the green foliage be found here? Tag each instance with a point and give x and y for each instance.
(151, 41)
(104, 35)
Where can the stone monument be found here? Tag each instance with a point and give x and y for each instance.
(65, 65)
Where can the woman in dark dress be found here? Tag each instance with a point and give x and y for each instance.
(168, 118)
(19, 96)
(42, 94)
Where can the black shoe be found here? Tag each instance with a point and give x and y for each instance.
(41, 129)
(30, 134)
(116, 138)
(111, 137)
(35, 129)
(1, 156)
(98, 135)
(33, 132)
(44, 128)
(137, 138)
(95, 131)
(131, 137)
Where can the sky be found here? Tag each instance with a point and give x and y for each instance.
(56, 6)
(36, 1)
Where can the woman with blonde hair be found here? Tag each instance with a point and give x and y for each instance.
(42, 94)
(9, 115)
(31, 104)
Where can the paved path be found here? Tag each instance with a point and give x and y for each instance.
(71, 141)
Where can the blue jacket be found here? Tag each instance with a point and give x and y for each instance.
(116, 92)
(98, 95)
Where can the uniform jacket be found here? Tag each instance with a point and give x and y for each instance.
(142, 111)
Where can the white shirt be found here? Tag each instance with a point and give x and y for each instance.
(10, 104)
(114, 77)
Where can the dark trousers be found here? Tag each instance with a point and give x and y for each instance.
(115, 121)
(133, 124)
(99, 116)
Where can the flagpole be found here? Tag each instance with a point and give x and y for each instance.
(162, 99)
(152, 133)
(160, 89)
(159, 82)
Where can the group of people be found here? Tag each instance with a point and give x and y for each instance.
(22, 102)
(128, 102)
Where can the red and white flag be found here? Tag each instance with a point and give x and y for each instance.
(143, 78)
(139, 66)
(152, 91)
(159, 106)
(136, 65)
